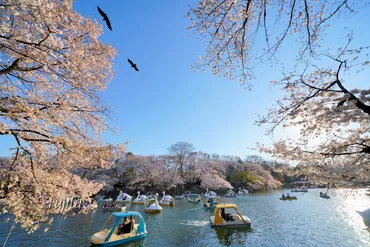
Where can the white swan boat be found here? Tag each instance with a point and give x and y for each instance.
(167, 200)
(243, 192)
(123, 197)
(365, 216)
(210, 193)
(140, 199)
(153, 206)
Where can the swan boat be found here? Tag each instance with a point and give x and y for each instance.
(167, 200)
(140, 199)
(209, 193)
(110, 237)
(243, 192)
(153, 206)
(233, 220)
(123, 197)
(365, 216)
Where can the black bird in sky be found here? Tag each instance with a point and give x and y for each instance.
(105, 18)
(133, 65)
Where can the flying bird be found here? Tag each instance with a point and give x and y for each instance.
(105, 18)
(133, 65)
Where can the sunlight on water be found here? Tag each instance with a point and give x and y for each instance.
(194, 223)
(348, 202)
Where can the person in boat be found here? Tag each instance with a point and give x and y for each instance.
(106, 205)
(287, 195)
(225, 216)
(283, 196)
(132, 221)
(122, 226)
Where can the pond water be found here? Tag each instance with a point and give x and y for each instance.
(308, 221)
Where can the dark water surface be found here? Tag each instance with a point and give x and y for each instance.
(308, 221)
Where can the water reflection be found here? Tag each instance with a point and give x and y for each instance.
(233, 236)
(136, 243)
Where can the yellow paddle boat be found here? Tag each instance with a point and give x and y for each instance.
(223, 219)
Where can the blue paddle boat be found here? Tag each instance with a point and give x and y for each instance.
(231, 193)
(113, 236)
(211, 202)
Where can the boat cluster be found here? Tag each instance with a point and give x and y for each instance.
(303, 189)
(129, 225)
(150, 202)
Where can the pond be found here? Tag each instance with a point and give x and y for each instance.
(308, 221)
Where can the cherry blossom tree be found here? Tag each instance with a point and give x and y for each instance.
(151, 172)
(333, 119)
(52, 70)
(209, 172)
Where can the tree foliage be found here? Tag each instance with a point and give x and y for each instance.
(52, 69)
(317, 98)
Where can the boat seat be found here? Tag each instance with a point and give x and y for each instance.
(236, 217)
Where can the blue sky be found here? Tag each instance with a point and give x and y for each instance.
(166, 101)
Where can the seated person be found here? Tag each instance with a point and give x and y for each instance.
(225, 216)
(287, 195)
(283, 196)
(132, 221)
(121, 226)
(127, 227)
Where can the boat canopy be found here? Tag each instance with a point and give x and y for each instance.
(120, 215)
(227, 205)
(126, 214)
